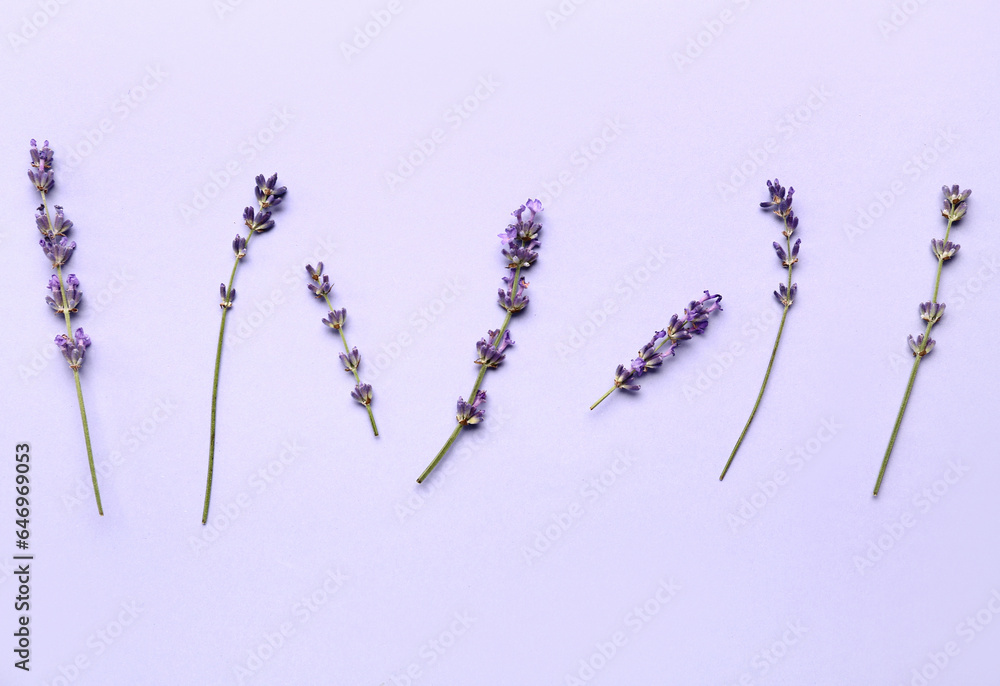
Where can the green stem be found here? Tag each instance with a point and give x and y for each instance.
(479, 381)
(441, 453)
(913, 374)
(76, 372)
(774, 351)
(601, 399)
(215, 387)
(899, 420)
(760, 395)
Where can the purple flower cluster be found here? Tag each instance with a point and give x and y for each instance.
(693, 322)
(781, 204)
(520, 249)
(64, 294)
(321, 287)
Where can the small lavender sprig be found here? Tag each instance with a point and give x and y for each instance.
(268, 197)
(64, 293)
(520, 242)
(694, 322)
(955, 206)
(350, 358)
(781, 204)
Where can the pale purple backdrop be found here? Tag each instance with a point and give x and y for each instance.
(555, 545)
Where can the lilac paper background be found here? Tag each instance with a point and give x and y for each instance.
(877, 118)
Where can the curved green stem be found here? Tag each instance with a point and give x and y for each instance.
(215, 387)
(774, 351)
(760, 395)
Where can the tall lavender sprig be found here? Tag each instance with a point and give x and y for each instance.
(64, 292)
(350, 358)
(955, 206)
(679, 328)
(520, 243)
(269, 196)
(781, 204)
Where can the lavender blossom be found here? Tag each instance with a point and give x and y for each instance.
(955, 207)
(321, 287)
(256, 222)
(64, 294)
(693, 322)
(781, 205)
(519, 247)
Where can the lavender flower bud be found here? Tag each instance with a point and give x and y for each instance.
(491, 350)
(267, 194)
(471, 414)
(321, 290)
(519, 257)
(363, 394)
(623, 378)
(943, 250)
(240, 247)
(227, 298)
(41, 160)
(786, 296)
(931, 312)
(73, 349)
(54, 299)
(351, 362)
(59, 250)
(257, 223)
(919, 347)
(513, 302)
(954, 202)
(335, 320)
(59, 226)
(314, 274)
(73, 295)
(781, 252)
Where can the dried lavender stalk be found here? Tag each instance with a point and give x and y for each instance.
(64, 293)
(693, 323)
(781, 205)
(268, 197)
(520, 240)
(954, 209)
(351, 358)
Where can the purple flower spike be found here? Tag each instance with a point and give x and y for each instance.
(519, 248)
(955, 206)
(471, 414)
(653, 353)
(64, 294)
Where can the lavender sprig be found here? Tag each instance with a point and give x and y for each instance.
(781, 204)
(350, 358)
(269, 196)
(64, 293)
(955, 206)
(520, 243)
(692, 323)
